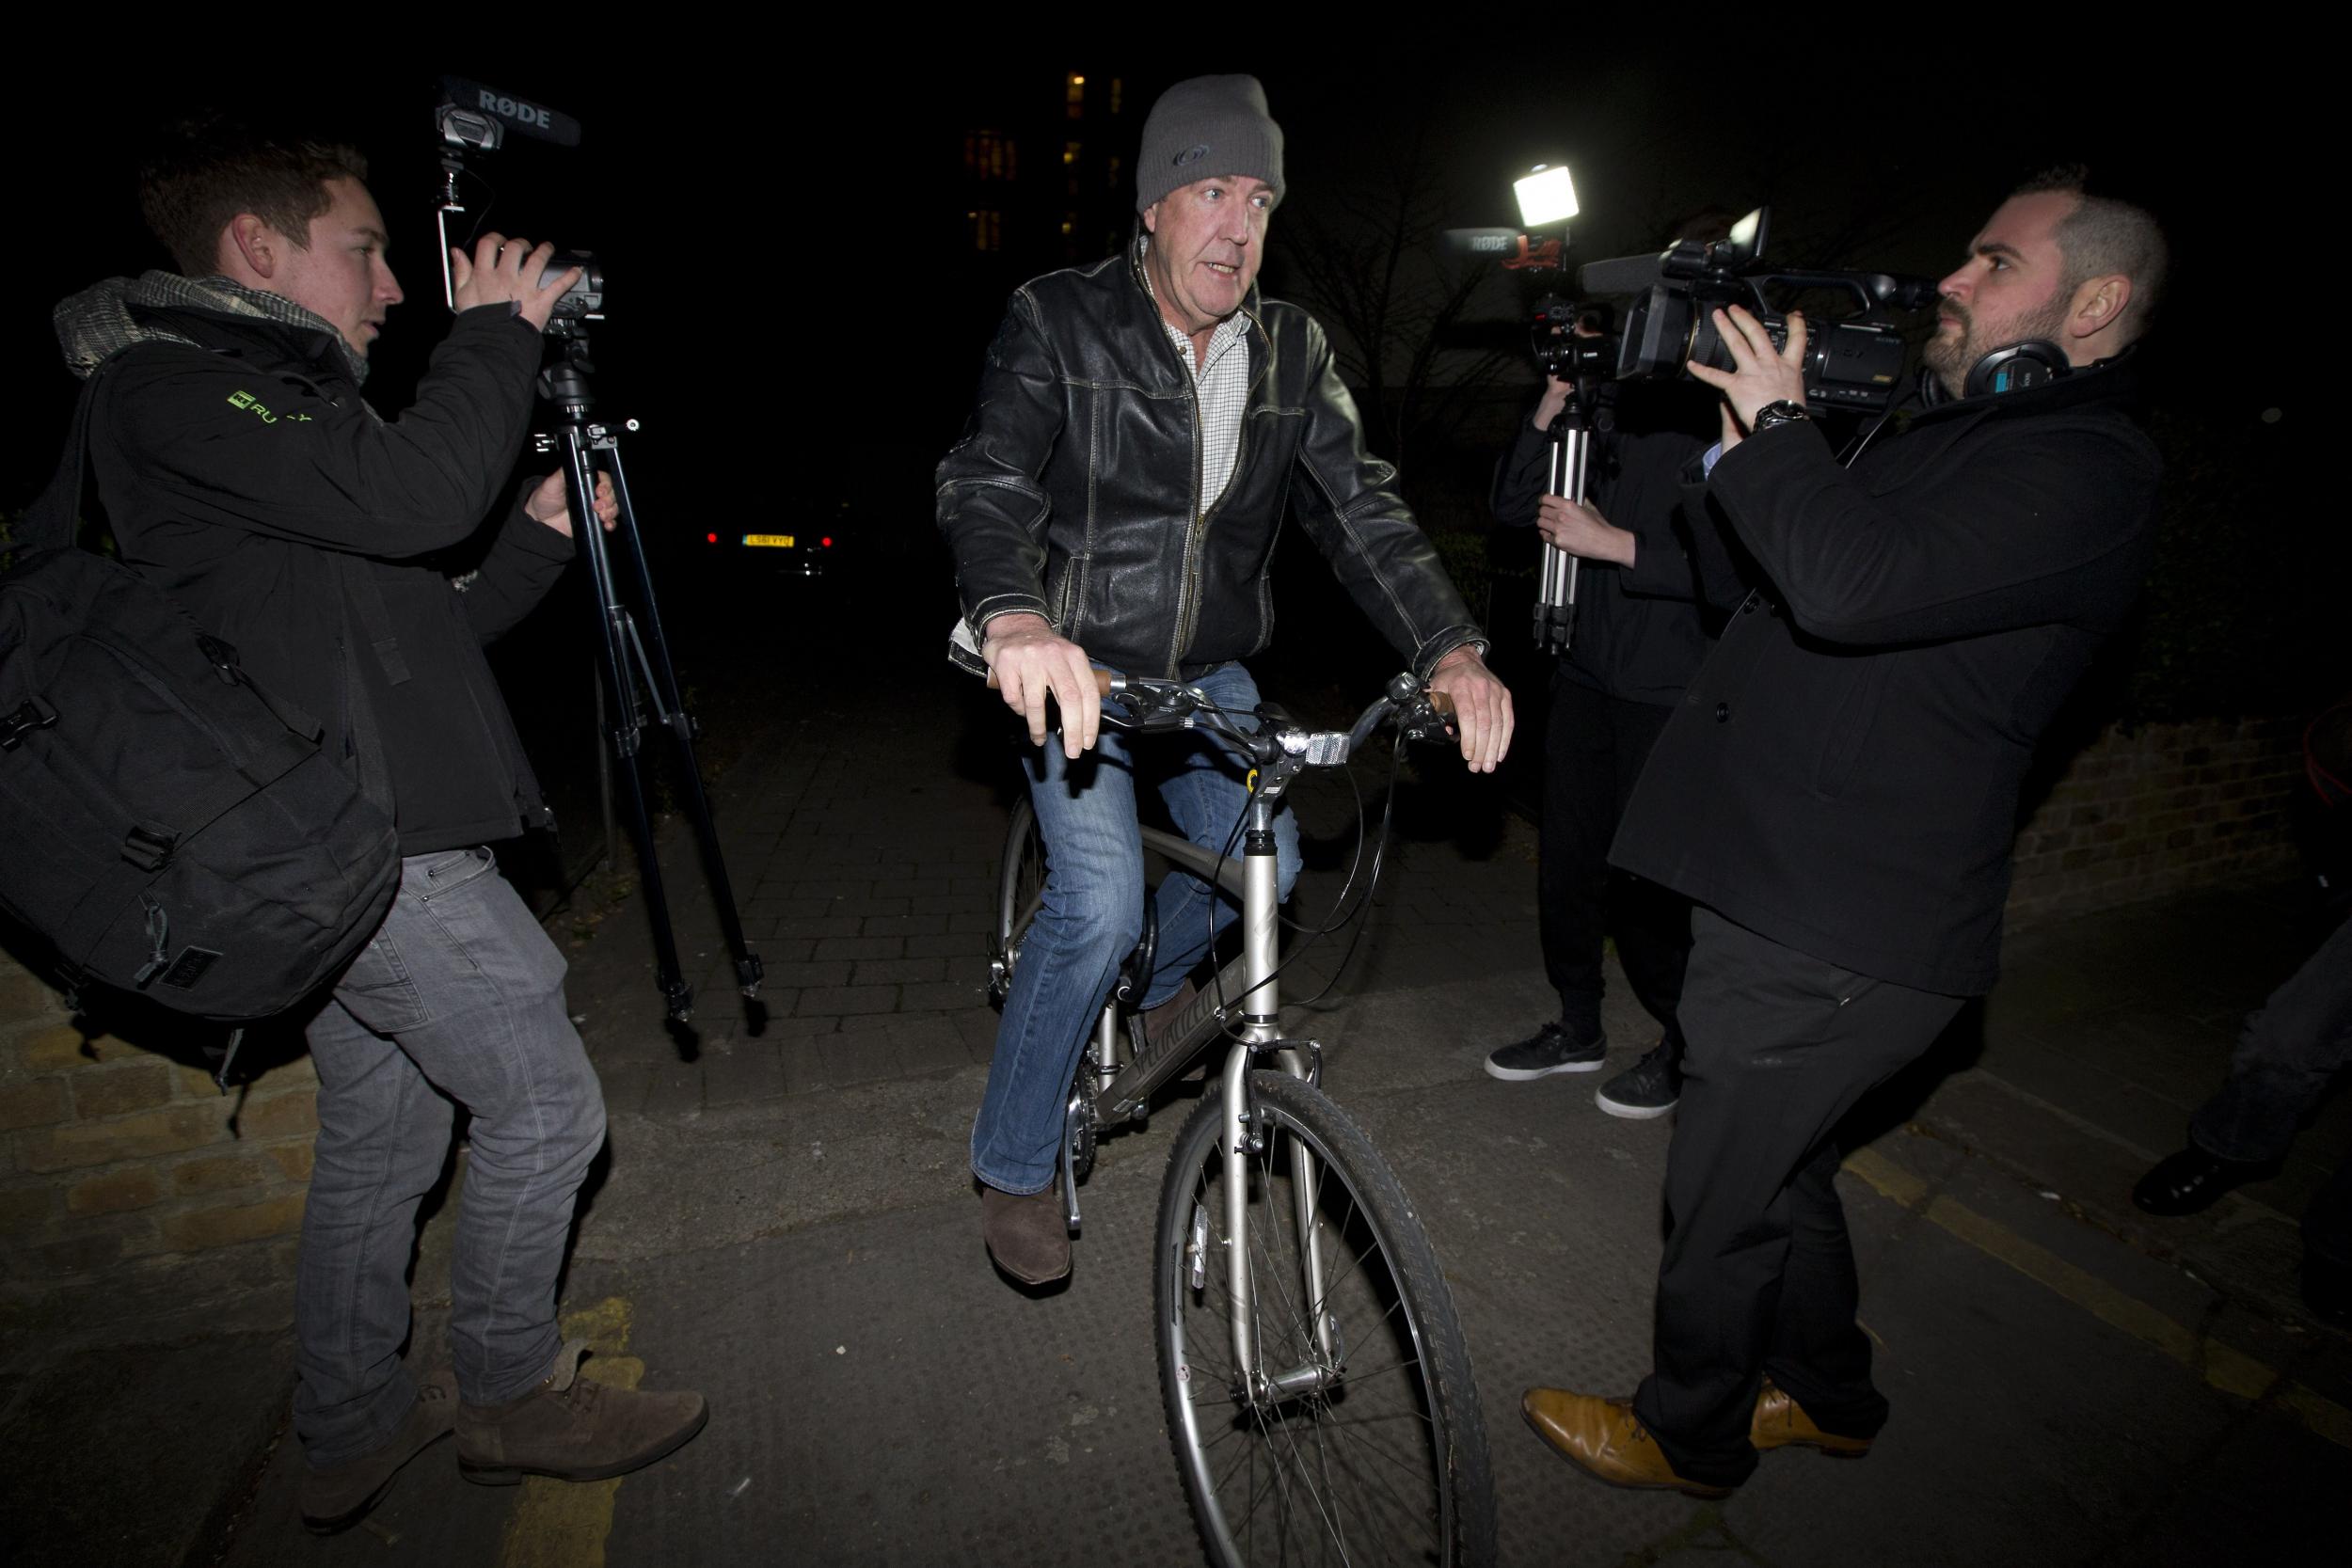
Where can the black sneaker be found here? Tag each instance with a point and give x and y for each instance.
(1550, 1050)
(1645, 1090)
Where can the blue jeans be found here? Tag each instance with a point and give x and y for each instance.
(457, 1000)
(1091, 917)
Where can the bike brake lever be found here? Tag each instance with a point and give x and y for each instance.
(1424, 721)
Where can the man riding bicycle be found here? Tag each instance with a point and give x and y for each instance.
(1142, 425)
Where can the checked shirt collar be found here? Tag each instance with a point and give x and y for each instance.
(1220, 382)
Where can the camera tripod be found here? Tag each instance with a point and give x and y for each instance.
(1570, 464)
(630, 652)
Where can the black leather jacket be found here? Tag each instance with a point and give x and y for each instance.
(1075, 491)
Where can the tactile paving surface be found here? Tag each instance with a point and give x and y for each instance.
(920, 1409)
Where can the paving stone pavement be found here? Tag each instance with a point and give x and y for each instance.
(785, 1219)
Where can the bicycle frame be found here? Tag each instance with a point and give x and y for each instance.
(1248, 993)
(1307, 1277)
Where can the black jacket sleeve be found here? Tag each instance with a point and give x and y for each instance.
(991, 506)
(2013, 539)
(1720, 565)
(523, 563)
(1644, 497)
(276, 455)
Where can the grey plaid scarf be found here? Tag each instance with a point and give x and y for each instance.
(96, 325)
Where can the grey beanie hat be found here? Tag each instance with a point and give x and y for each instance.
(1208, 125)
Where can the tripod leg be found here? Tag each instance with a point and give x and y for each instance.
(626, 716)
(676, 992)
(652, 652)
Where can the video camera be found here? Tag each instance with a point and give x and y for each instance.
(472, 116)
(1850, 362)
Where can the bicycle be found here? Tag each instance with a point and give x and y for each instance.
(1318, 1391)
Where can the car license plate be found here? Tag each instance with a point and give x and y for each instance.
(770, 541)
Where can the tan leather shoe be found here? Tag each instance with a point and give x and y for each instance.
(1602, 1436)
(1780, 1422)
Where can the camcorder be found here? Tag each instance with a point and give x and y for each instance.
(473, 117)
(1852, 362)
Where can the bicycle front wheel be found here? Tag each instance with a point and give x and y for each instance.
(1353, 1436)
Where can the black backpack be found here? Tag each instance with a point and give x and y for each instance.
(165, 825)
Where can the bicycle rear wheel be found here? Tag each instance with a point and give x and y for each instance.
(1376, 1454)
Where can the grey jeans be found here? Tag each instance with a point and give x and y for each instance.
(457, 1000)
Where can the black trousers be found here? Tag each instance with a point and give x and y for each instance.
(1759, 1274)
(2292, 1051)
(1594, 749)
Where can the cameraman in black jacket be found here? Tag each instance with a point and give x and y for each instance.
(1639, 635)
(1838, 795)
(242, 471)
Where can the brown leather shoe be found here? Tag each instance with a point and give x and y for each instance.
(337, 1498)
(1602, 1436)
(1780, 1422)
(1026, 1233)
(573, 1428)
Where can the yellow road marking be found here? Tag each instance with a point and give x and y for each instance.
(2232, 1372)
(562, 1524)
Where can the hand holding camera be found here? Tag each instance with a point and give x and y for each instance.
(1761, 374)
(504, 270)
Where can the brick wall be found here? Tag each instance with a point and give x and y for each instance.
(126, 1190)
(2172, 807)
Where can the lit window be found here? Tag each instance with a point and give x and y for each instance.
(990, 155)
(1077, 96)
(1115, 87)
(987, 229)
(1070, 152)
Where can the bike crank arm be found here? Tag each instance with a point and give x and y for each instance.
(1070, 1134)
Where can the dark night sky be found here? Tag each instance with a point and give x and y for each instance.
(786, 238)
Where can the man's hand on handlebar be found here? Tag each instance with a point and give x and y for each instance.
(1027, 659)
(1482, 707)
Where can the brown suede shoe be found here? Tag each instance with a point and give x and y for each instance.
(1602, 1436)
(338, 1499)
(1026, 1233)
(1781, 1422)
(573, 1428)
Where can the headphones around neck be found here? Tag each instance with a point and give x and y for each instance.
(2035, 363)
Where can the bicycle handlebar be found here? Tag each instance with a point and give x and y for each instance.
(1153, 704)
(1162, 704)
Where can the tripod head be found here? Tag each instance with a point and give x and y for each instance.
(564, 381)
